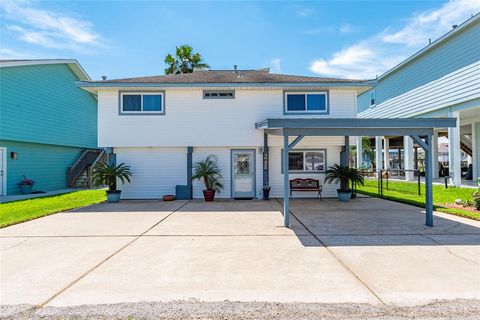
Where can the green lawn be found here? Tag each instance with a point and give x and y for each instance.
(24, 210)
(407, 192)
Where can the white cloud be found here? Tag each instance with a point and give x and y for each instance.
(319, 30)
(347, 28)
(275, 66)
(432, 24)
(304, 11)
(47, 28)
(7, 53)
(375, 55)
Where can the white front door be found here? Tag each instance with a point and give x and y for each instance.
(243, 173)
(3, 171)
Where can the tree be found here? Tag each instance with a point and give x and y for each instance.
(184, 61)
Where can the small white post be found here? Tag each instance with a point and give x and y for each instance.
(408, 158)
(435, 169)
(359, 152)
(476, 150)
(386, 157)
(454, 158)
(378, 153)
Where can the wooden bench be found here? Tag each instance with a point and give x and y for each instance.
(306, 185)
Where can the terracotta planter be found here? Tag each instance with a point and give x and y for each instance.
(208, 194)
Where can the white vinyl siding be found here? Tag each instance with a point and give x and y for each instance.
(194, 121)
(155, 171)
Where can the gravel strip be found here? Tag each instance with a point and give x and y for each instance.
(193, 309)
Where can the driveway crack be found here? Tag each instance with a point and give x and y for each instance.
(14, 246)
(41, 305)
(449, 251)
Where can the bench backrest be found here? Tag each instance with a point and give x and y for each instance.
(304, 183)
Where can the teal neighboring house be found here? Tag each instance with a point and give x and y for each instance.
(46, 122)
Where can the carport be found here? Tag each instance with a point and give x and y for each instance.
(419, 129)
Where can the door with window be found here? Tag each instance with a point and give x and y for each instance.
(243, 174)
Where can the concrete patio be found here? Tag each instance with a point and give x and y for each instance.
(366, 251)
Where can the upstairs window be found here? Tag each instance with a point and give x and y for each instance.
(372, 98)
(306, 102)
(223, 94)
(142, 103)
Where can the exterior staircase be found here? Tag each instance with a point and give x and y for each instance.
(80, 174)
(466, 144)
(82, 180)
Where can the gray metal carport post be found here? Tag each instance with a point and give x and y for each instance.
(286, 179)
(427, 147)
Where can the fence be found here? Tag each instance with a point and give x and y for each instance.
(384, 175)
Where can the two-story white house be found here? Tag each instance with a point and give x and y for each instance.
(159, 125)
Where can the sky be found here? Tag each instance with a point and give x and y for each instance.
(119, 39)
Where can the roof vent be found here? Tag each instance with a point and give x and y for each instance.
(235, 68)
(104, 78)
(454, 26)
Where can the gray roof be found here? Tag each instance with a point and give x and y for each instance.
(229, 76)
(72, 63)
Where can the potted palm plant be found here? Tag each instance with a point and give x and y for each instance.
(343, 174)
(105, 174)
(356, 178)
(26, 185)
(208, 171)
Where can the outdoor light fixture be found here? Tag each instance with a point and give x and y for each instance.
(13, 155)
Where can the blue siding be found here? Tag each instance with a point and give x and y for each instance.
(46, 164)
(41, 104)
(459, 51)
(476, 156)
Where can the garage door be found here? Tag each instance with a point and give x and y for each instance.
(156, 171)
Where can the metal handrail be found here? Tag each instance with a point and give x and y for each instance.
(80, 165)
(90, 168)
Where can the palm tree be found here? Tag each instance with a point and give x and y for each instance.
(104, 174)
(344, 174)
(184, 61)
(209, 171)
(338, 173)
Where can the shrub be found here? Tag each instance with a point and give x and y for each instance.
(476, 200)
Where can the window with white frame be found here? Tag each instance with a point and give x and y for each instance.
(221, 94)
(306, 102)
(307, 160)
(142, 103)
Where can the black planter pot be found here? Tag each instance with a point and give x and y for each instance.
(266, 194)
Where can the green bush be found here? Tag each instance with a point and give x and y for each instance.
(476, 200)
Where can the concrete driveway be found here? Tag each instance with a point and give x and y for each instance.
(365, 251)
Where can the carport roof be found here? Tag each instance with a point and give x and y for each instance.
(353, 126)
